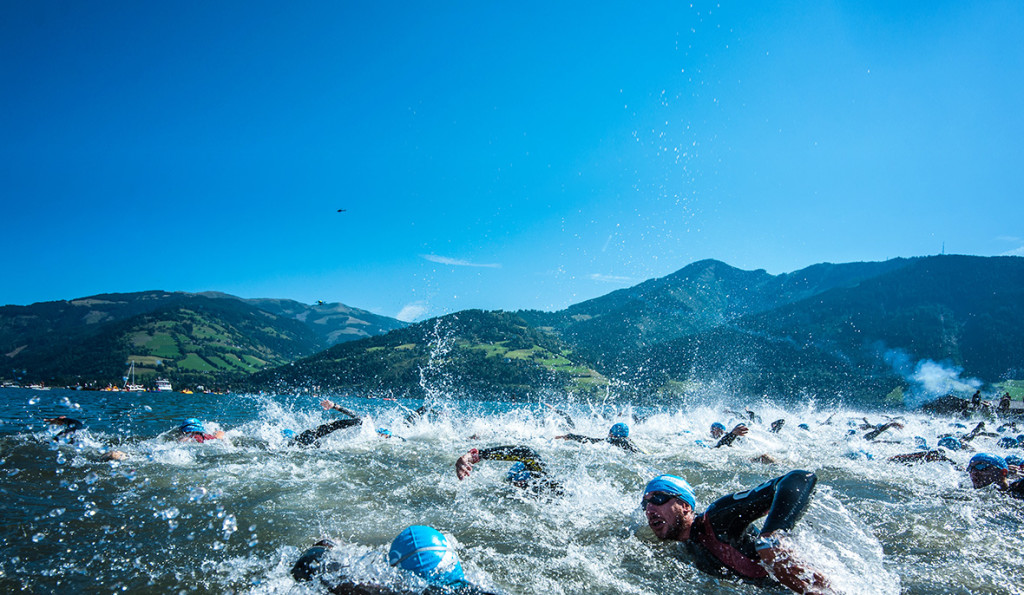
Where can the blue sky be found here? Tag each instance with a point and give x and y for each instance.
(496, 155)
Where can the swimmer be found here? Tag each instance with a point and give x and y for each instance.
(728, 439)
(717, 430)
(987, 469)
(528, 471)
(777, 425)
(70, 427)
(723, 540)
(312, 437)
(192, 430)
(617, 435)
(926, 456)
(114, 456)
(423, 551)
(881, 428)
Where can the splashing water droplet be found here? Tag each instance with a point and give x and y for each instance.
(33, 401)
(217, 546)
(38, 537)
(60, 459)
(91, 478)
(57, 512)
(230, 526)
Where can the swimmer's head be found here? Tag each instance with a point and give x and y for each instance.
(951, 443)
(717, 429)
(619, 430)
(1015, 460)
(1007, 442)
(384, 432)
(426, 552)
(191, 425)
(804, 427)
(986, 468)
(289, 434)
(673, 486)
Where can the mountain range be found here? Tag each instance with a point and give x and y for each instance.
(857, 331)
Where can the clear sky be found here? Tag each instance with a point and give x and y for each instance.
(496, 155)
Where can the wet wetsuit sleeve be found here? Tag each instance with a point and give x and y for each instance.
(526, 456)
(874, 433)
(726, 440)
(579, 438)
(310, 436)
(783, 499)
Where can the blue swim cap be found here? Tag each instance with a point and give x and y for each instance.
(1020, 438)
(425, 552)
(191, 425)
(983, 460)
(958, 425)
(921, 442)
(718, 425)
(619, 430)
(804, 427)
(671, 484)
(951, 443)
(384, 432)
(1015, 460)
(1007, 442)
(288, 433)
(518, 473)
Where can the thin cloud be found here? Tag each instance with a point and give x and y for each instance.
(455, 262)
(1017, 252)
(608, 278)
(411, 312)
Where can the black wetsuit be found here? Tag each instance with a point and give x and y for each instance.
(620, 441)
(1016, 489)
(312, 437)
(538, 482)
(70, 427)
(727, 440)
(728, 549)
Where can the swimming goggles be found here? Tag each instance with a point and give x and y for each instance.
(979, 466)
(656, 498)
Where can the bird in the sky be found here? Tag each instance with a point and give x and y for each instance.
(341, 210)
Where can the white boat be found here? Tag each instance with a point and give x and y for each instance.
(163, 386)
(129, 381)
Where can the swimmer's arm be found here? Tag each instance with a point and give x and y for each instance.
(577, 438)
(788, 570)
(728, 439)
(328, 404)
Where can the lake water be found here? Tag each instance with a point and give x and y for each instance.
(233, 515)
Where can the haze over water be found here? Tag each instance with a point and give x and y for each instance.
(233, 515)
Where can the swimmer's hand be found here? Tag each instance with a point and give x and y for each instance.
(464, 466)
(789, 571)
(219, 434)
(327, 404)
(740, 430)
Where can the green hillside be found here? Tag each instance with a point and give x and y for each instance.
(476, 353)
(211, 339)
